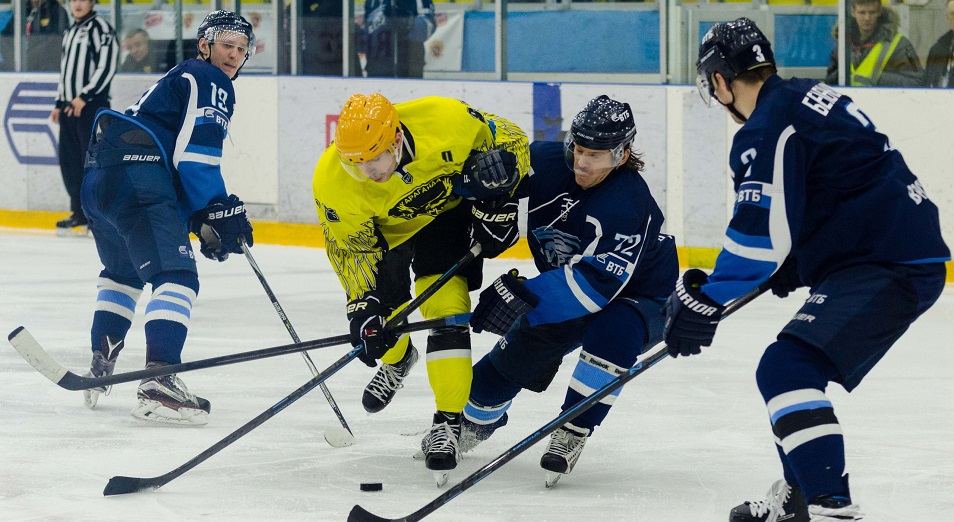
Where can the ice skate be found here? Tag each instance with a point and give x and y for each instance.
(166, 399)
(563, 451)
(75, 225)
(387, 381)
(833, 509)
(472, 434)
(441, 451)
(103, 364)
(783, 503)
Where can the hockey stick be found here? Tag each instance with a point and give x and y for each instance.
(339, 437)
(359, 514)
(121, 485)
(33, 352)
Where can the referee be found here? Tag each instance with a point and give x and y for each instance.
(87, 65)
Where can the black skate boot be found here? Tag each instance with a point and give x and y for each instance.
(166, 399)
(783, 503)
(472, 434)
(103, 364)
(75, 225)
(566, 445)
(389, 379)
(834, 508)
(441, 451)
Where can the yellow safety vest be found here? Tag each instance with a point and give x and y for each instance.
(868, 72)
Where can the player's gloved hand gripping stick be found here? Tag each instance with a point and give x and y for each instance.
(220, 226)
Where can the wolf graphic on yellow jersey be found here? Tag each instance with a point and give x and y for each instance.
(362, 219)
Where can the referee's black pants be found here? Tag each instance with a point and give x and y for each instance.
(75, 132)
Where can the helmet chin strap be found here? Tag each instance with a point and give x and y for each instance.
(731, 106)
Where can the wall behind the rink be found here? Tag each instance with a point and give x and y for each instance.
(282, 124)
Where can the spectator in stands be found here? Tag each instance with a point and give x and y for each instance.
(939, 71)
(43, 34)
(321, 37)
(139, 58)
(877, 52)
(396, 31)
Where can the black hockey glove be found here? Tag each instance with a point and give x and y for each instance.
(486, 175)
(219, 227)
(502, 303)
(367, 315)
(691, 316)
(785, 280)
(494, 225)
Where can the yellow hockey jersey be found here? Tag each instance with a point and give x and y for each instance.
(362, 219)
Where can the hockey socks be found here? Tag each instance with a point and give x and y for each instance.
(115, 309)
(168, 314)
(792, 377)
(592, 373)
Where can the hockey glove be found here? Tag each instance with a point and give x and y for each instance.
(691, 316)
(367, 316)
(219, 227)
(502, 303)
(785, 280)
(486, 175)
(494, 225)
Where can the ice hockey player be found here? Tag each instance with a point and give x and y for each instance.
(605, 272)
(397, 191)
(152, 176)
(823, 201)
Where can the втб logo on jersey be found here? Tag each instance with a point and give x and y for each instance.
(427, 199)
(27, 123)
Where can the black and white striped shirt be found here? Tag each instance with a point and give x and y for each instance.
(89, 61)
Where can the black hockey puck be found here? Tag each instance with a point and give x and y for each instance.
(371, 486)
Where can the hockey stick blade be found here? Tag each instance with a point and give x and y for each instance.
(33, 353)
(359, 514)
(647, 360)
(123, 485)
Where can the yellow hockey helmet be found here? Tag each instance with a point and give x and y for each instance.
(366, 128)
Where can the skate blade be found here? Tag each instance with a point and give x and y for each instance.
(155, 411)
(440, 477)
(91, 397)
(552, 478)
(339, 438)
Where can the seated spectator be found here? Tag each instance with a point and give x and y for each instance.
(940, 60)
(877, 52)
(140, 58)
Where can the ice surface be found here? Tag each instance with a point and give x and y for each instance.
(686, 441)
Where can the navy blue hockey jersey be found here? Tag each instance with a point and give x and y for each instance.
(189, 110)
(815, 179)
(593, 245)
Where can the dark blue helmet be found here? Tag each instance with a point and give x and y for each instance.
(220, 24)
(604, 124)
(730, 49)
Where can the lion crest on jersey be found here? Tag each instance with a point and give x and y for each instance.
(427, 199)
(557, 246)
